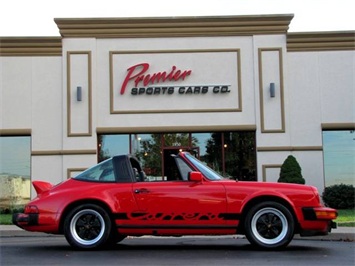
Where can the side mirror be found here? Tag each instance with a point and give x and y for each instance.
(195, 176)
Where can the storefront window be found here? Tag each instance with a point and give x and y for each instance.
(339, 157)
(147, 149)
(201, 142)
(15, 171)
(177, 140)
(111, 145)
(232, 154)
(213, 156)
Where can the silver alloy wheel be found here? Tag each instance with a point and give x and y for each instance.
(87, 227)
(269, 226)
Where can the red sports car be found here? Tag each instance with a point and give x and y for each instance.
(114, 199)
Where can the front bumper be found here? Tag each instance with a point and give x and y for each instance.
(317, 232)
(318, 221)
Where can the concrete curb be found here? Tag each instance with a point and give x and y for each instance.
(338, 234)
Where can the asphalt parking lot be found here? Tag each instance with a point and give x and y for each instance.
(18, 247)
(338, 234)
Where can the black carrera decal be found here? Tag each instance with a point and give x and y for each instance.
(176, 217)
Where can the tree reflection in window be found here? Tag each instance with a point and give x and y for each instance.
(15, 171)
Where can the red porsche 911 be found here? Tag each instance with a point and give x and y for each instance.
(114, 199)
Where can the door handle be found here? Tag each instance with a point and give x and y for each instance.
(140, 191)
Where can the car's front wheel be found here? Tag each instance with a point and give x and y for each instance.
(269, 225)
(87, 226)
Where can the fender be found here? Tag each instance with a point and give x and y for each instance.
(244, 194)
(260, 194)
(274, 194)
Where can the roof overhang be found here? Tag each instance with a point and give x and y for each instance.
(173, 26)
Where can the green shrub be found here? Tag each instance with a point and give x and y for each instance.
(8, 210)
(339, 196)
(5, 211)
(291, 172)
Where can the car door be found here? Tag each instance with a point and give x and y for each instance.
(182, 203)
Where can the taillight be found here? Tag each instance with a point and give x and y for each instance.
(31, 209)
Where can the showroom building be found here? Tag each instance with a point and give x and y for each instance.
(240, 92)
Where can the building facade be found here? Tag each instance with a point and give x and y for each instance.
(204, 84)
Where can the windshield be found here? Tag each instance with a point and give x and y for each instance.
(204, 169)
(102, 172)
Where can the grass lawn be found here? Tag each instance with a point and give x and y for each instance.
(5, 218)
(345, 218)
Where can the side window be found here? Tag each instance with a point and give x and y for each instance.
(183, 168)
(107, 175)
(102, 172)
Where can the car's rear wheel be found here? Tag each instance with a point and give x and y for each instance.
(87, 226)
(269, 225)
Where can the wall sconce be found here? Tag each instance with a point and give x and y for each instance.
(272, 90)
(78, 94)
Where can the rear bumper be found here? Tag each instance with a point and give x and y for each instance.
(25, 219)
(35, 222)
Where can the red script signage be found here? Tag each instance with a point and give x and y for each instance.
(137, 73)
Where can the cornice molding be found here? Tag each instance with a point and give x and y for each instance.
(63, 152)
(165, 129)
(289, 148)
(320, 41)
(173, 26)
(338, 126)
(177, 27)
(30, 46)
(16, 132)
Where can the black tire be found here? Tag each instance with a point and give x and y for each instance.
(87, 226)
(269, 225)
